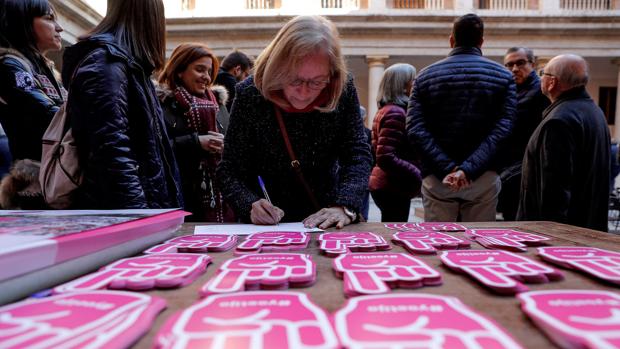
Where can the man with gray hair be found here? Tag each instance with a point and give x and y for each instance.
(566, 164)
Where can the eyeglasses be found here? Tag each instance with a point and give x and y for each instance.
(312, 84)
(543, 73)
(519, 63)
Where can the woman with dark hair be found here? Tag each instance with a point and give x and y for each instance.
(296, 123)
(123, 147)
(30, 94)
(191, 105)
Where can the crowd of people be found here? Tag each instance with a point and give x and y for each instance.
(281, 138)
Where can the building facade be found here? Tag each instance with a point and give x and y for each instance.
(378, 33)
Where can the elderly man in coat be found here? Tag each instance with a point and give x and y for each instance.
(566, 164)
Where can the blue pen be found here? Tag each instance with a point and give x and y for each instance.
(262, 186)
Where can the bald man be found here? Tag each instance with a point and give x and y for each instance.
(566, 164)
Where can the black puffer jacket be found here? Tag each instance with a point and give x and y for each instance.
(30, 98)
(460, 111)
(119, 130)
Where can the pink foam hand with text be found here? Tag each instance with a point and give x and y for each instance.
(501, 271)
(505, 239)
(274, 241)
(597, 262)
(416, 321)
(164, 270)
(371, 273)
(94, 319)
(426, 226)
(428, 242)
(334, 244)
(249, 320)
(267, 270)
(195, 244)
(576, 318)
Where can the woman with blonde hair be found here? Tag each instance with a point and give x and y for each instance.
(395, 178)
(117, 122)
(191, 106)
(296, 124)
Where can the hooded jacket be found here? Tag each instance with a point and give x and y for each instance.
(124, 150)
(29, 98)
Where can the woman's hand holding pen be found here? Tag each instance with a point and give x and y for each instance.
(212, 142)
(264, 213)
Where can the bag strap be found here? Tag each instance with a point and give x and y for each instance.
(295, 164)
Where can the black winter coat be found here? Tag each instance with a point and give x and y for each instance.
(118, 126)
(332, 148)
(566, 165)
(31, 97)
(531, 103)
(460, 111)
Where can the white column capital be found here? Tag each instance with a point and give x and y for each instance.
(376, 60)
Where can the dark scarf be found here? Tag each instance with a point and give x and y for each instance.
(200, 114)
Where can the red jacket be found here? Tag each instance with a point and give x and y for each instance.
(396, 168)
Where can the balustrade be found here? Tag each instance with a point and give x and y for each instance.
(585, 5)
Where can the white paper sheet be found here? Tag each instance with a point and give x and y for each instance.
(246, 229)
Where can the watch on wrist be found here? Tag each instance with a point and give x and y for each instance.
(350, 213)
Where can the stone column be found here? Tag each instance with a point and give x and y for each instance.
(376, 67)
(616, 134)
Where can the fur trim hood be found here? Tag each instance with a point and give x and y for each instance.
(220, 92)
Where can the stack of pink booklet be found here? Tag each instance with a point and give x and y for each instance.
(92, 319)
(408, 320)
(196, 244)
(501, 271)
(273, 271)
(258, 320)
(428, 242)
(426, 226)
(584, 319)
(597, 262)
(376, 273)
(273, 241)
(161, 270)
(505, 239)
(337, 243)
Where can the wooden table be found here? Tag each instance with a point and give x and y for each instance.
(327, 292)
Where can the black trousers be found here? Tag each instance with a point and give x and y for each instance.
(393, 208)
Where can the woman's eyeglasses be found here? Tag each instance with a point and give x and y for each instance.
(312, 84)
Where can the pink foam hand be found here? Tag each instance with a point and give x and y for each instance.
(165, 270)
(576, 318)
(371, 273)
(501, 271)
(428, 242)
(94, 319)
(505, 239)
(195, 244)
(426, 226)
(266, 270)
(597, 262)
(252, 320)
(273, 240)
(334, 244)
(416, 321)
